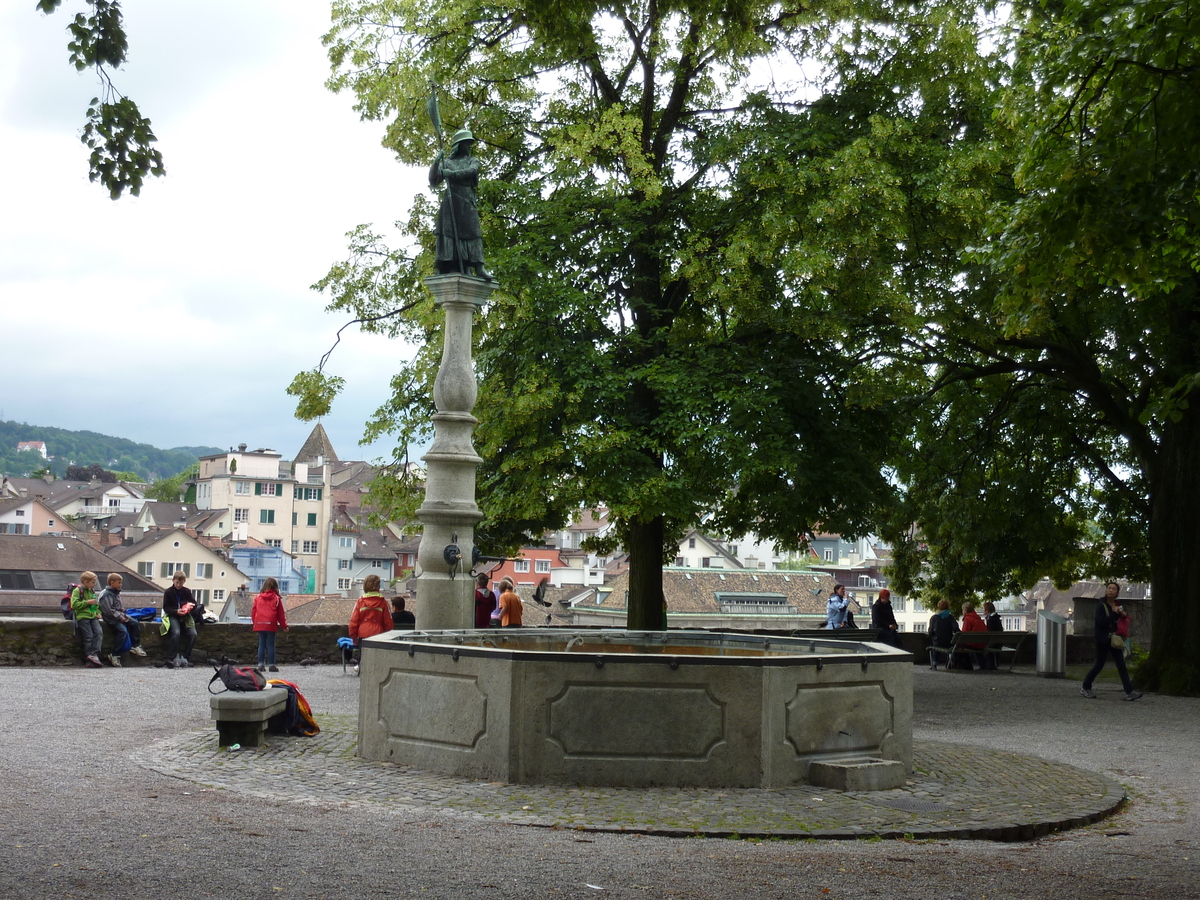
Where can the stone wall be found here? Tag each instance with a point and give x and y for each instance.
(52, 642)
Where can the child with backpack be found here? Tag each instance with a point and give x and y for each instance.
(268, 616)
(87, 619)
(371, 615)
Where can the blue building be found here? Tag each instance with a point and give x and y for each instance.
(260, 562)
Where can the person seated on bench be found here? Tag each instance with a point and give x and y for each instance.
(971, 621)
(942, 628)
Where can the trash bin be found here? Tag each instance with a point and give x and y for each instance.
(1051, 645)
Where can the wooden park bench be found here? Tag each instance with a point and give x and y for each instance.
(993, 643)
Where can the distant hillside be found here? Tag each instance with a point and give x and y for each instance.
(83, 448)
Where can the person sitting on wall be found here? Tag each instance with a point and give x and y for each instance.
(127, 632)
(402, 619)
(178, 604)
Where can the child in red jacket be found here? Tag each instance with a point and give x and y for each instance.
(267, 616)
(371, 615)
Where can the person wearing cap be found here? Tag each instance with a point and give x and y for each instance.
(459, 234)
(883, 620)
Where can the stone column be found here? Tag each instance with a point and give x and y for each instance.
(449, 508)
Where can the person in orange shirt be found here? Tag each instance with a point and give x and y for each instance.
(510, 605)
(371, 615)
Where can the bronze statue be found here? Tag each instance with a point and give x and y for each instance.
(459, 236)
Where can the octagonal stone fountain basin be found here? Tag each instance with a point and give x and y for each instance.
(629, 708)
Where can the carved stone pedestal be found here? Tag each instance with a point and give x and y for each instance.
(449, 509)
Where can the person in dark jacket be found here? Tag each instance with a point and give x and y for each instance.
(178, 604)
(402, 619)
(942, 628)
(883, 620)
(485, 601)
(123, 628)
(991, 617)
(1109, 612)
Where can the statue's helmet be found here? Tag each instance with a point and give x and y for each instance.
(460, 136)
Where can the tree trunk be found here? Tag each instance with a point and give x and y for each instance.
(1174, 663)
(645, 607)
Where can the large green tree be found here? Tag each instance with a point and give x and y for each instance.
(1082, 332)
(705, 283)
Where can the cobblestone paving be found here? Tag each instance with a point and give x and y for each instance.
(1032, 797)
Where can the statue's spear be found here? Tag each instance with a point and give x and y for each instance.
(435, 116)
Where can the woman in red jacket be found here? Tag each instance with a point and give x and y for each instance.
(268, 617)
(972, 621)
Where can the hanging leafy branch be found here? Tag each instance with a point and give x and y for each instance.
(118, 135)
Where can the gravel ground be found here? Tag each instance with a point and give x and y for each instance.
(79, 818)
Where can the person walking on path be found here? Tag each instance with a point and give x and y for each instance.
(835, 609)
(268, 616)
(1109, 616)
(883, 620)
(127, 632)
(511, 608)
(87, 619)
(178, 604)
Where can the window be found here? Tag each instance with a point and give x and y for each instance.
(680, 561)
(691, 543)
(312, 520)
(169, 568)
(295, 546)
(204, 570)
(242, 487)
(706, 562)
(268, 489)
(541, 565)
(345, 542)
(521, 565)
(274, 542)
(146, 569)
(241, 515)
(218, 594)
(379, 564)
(918, 626)
(306, 493)
(343, 584)
(49, 523)
(828, 556)
(311, 546)
(864, 581)
(343, 563)
(113, 501)
(20, 512)
(266, 517)
(204, 596)
(13, 528)
(293, 520)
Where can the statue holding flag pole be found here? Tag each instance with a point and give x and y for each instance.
(459, 235)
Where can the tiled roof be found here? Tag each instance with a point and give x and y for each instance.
(317, 445)
(695, 590)
(57, 561)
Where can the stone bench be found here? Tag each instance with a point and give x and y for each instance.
(242, 716)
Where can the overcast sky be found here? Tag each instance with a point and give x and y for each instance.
(179, 317)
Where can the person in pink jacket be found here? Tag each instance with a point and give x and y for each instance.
(268, 616)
